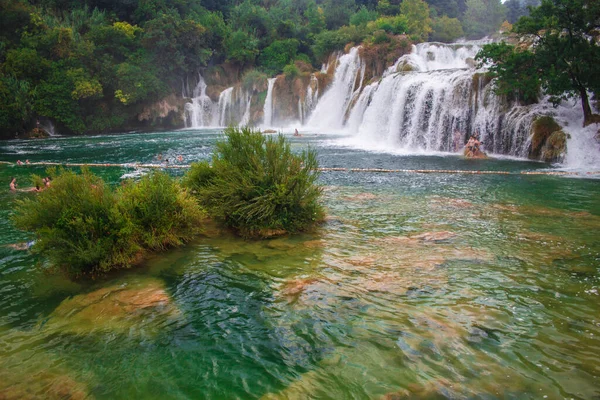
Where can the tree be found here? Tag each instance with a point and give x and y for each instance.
(363, 16)
(566, 53)
(315, 17)
(417, 13)
(483, 17)
(446, 29)
(278, 54)
(241, 48)
(338, 12)
(515, 69)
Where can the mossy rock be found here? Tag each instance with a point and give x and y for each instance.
(541, 130)
(555, 147)
(404, 67)
(138, 305)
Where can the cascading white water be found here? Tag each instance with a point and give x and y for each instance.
(433, 104)
(224, 108)
(268, 107)
(330, 112)
(199, 112)
(246, 101)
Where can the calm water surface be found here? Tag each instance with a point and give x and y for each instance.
(417, 286)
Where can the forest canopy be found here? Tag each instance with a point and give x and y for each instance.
(91, 66)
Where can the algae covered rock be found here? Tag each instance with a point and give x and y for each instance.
(137, 305)
(548, 141)
(555, 147)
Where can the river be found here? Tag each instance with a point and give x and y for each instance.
(416, 286)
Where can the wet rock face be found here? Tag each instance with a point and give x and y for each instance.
(555, 147)
(166, 112)
(121, 308)
(548, 141)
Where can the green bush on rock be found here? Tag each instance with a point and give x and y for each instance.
(84, 227)
(257, 186)
(163, 214)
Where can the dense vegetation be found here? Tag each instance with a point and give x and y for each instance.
(257, 186)
(84, 227)
(563, 58)
(95, 65)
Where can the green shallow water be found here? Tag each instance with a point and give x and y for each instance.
(417, 286)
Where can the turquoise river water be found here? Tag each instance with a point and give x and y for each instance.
(416, 286)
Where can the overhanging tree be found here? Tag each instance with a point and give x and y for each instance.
(566, 49)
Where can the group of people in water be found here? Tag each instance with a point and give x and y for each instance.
(472, 149)
(13, 185)
(159, 157)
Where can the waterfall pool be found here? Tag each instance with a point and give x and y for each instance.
(416, 286)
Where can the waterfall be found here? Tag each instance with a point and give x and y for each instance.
(224, 108)
(430, 100)
(331, 110)
(199, 112)
(245, 102)
(268, 108)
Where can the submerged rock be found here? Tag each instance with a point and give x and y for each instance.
(141, 305)
(361, 197)
(297, 286)
(434, 236)
(40, 384)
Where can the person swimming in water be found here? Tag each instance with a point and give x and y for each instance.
(13, 184)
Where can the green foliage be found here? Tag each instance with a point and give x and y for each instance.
(417, 14)
(83, 227)
(162, 213)
(77, 225)
(291, 71)
(315, 17)
(278, 54)
(16, 104)
(483, 17)
(363, 16)
(516, 71)
(395, 25)
(257, 186)
(566, 55)
(385, 8)
(446, 29)
(338, 12)
(329, 41)
(241, 47)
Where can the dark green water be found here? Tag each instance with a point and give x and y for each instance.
(417, 286)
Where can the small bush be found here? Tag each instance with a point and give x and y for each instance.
(84, 227)
(257, 186)
(291, 71)
(163, 214)
(77, 225)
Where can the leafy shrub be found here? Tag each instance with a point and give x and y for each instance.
(329, 41)
(446, 29)
(396, 25)
(291, 71)
(84, 227)
(257, 186)
(278, 54)
(363, 15)
(162, 213)
(77, 225)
